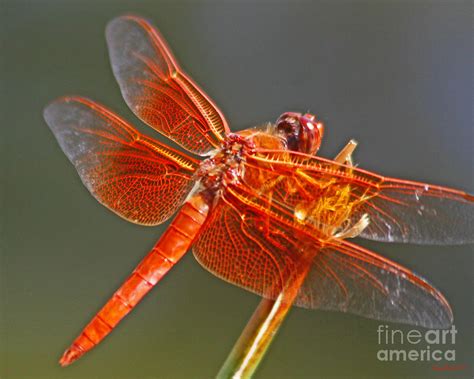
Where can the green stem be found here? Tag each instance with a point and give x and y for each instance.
(258, 334)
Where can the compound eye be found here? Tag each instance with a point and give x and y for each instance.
(289, 127)
(311, 134)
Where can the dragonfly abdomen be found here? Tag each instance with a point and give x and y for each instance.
(169, 249)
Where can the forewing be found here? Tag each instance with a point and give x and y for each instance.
(250, 242)
(399, 211)
(158, 91)
(404, 211)
(135, 176)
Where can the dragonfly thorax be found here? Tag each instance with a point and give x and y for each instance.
(226, 165)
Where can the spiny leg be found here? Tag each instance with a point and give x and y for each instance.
(345, 157)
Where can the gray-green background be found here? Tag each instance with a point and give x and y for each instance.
(397, 76)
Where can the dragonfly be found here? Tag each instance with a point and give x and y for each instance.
(259, 208)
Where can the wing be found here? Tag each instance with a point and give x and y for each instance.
(248, 240)
(133, 175)
(158, 91)
(348, 278)
(398, 210)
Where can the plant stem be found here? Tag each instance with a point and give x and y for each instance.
(258, 334)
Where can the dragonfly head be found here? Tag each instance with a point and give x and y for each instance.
(302, 132)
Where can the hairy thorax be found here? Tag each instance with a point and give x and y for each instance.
(227, 164)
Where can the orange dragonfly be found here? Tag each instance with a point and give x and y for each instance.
(259, 209)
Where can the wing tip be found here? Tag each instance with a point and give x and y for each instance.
(49, 109)
(447, 318)
(116, 22)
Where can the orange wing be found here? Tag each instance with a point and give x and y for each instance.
(398, 210)
(135, 176)
(158, 91)
(248, 241)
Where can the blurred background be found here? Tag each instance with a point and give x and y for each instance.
(397, 76)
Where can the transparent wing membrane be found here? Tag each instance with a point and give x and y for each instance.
(135, 176)
(158, 91)
(398, 210)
